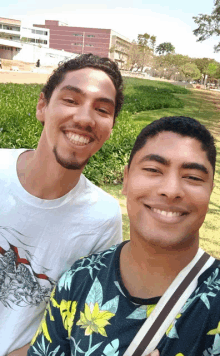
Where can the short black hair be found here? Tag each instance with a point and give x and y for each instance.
(184, 126)
(83, 61)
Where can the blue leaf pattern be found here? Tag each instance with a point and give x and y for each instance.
(140, 313)
(111, 305)
(112, 348)
(95, 294)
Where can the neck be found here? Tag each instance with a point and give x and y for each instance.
(148, 270)
(42, 176)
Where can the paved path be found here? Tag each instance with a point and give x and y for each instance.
(23, 77)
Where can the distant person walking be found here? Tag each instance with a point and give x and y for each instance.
(38, 63)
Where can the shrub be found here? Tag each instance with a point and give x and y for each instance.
(20, 129)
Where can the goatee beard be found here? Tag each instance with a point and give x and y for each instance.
(68, 164)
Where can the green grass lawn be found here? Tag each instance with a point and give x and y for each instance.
(200, 105)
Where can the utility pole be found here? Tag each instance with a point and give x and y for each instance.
(83, 42)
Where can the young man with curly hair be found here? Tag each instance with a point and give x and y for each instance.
(51, 215)
(101, 303)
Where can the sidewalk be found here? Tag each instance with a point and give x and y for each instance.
(23, 77)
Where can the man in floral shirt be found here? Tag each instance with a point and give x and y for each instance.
(100, 304)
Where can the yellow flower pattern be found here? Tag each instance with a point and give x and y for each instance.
(43, 326)
(67, 311)
(150, 308)
(94, 320)
(173, 323)
(215, 331)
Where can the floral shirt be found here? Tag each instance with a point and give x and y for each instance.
(91, 313)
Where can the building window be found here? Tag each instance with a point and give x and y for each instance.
(89, 45)
(90, 36)
(7, 27)
(77, 34)
(77, 44)
(39, 32)
(11, 28)
(7, 48)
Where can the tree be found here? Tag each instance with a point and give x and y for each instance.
(169, 65)
(190, 71)
(203, 65)
(208, 25)
(141, 51)
(212, 70)
(165, 47)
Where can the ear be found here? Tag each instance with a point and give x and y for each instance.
(40, 110)
(125, 181)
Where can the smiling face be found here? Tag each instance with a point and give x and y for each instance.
(168, 188)
(79, 116)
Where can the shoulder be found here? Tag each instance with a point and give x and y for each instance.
(99, 196)
(208, 288)
(84, 271)
(7, 156)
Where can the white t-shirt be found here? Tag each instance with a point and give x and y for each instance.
(39, 240)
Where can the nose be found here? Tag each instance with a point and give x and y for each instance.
(171, 187)
(84, 116)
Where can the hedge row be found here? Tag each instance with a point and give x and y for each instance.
(19, 127)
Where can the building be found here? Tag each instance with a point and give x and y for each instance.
(102, 42)
(13, 35)
(119, 49)
(56, 41)
(28, 44)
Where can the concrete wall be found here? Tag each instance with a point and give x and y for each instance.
(47, 56)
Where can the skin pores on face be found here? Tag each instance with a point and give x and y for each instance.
(79, 116)
(168, 188)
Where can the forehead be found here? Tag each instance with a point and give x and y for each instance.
(93, 80)
(174, 147)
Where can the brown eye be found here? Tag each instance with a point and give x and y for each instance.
(152, 170)
(195, 178)
(71, 101)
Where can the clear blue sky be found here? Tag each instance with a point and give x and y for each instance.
(169, 20)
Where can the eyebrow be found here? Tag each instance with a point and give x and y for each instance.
(166, 162)
(80, 91)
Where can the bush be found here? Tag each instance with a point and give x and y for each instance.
(107, 165)
(18, 125)
(20, 129)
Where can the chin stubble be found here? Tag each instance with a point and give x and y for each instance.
(69, 164)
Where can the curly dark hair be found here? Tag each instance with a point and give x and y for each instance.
(184, 126)
(84, 61)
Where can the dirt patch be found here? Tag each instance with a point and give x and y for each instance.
(23, 77)
(210, 96)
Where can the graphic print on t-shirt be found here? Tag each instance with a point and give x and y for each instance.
(19, 283)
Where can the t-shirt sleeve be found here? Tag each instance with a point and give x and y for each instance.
(53, 334)
(112, 234)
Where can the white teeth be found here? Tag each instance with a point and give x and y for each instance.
(78, 139)
(166, 213)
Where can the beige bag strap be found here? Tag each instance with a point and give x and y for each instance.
(169, 306)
